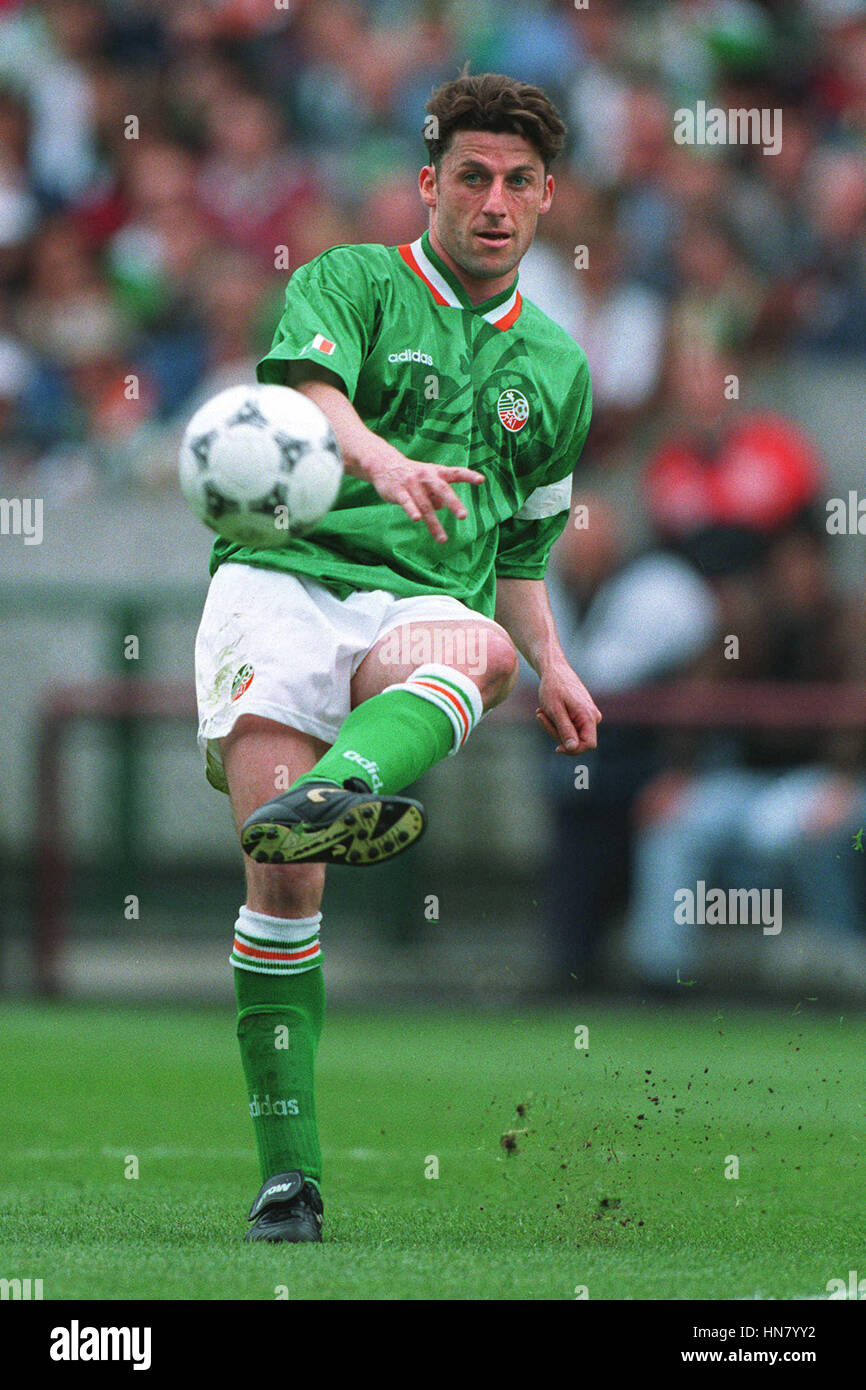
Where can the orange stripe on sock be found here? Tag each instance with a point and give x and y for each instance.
(269, 954)
(449, 695)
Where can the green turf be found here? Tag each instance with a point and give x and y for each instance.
(618, 1184)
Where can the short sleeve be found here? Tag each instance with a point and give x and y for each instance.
(526, 540)
(329, 320)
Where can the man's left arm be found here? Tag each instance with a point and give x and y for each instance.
(566, 709)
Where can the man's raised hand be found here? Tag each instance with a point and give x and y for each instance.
(421, 489)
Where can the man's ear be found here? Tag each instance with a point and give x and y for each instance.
(547, 199)
(427, 185)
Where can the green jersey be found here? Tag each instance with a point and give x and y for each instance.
(497, 387)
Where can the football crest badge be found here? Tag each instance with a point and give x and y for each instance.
(242, 681)
(513, 410)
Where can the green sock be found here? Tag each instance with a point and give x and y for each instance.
(393, 738)
(280, 1018)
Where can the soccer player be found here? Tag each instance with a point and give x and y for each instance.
(334, 671)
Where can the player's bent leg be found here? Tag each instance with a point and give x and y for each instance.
(321, 821)
(279, 989)
(407, 714)
(405, 718)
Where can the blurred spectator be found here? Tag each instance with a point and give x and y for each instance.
(154, 254)
(761, 809)
(598, 95)
(45, 53)
(539, 40)
(257, 191)
(723, 465)
(620, 325)
(18, 206)
(18, 449)
(231, 294)
(623, 622)
(718, 300)
(63, 285)
(234, 321)
(831, 312)
(261, 129)
(731, 495)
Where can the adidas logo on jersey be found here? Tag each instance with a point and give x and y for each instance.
(411, 355)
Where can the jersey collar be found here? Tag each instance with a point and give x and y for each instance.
(502, 310)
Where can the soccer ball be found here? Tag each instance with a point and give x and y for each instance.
(260, 464)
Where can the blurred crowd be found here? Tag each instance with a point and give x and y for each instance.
(735, 586)
(165, 164)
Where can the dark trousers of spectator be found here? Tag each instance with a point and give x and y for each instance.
(586, 883)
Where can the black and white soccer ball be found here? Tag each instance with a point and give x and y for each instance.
(260, 464)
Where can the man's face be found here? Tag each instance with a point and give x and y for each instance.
(486, 201)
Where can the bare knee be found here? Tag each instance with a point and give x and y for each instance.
(501, 668)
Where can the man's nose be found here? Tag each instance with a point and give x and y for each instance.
(495, 200)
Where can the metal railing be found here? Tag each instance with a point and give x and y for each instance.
(682, 704)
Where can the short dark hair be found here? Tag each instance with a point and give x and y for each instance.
(491, 101)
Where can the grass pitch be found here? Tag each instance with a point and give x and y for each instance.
(560, 1168)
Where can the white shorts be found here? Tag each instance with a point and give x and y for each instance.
(285, 647)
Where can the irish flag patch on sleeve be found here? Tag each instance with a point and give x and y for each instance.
(323, 344)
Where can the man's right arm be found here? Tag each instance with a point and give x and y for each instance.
(321, 342)
(419, 488)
